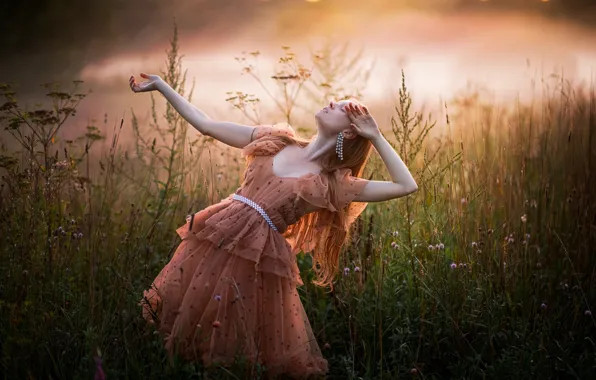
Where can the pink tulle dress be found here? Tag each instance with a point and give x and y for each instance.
(230, 288)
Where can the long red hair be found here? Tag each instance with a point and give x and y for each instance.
(324, 232)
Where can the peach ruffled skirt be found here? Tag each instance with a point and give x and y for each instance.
(214, 305)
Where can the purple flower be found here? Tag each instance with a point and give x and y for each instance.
(99, 373)
(453, 265)
(394, 245)
(588, 313)
(543, 306)
(441, 246)
(217, 297)
(431, 247)
(356, 269)
(346, 271)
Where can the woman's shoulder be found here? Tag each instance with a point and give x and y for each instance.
(268, 139)
(277, 129)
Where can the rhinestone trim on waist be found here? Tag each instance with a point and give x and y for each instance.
(256, 207)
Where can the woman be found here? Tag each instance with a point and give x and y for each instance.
(230, 287)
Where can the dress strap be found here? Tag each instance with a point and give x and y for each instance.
(256, 207)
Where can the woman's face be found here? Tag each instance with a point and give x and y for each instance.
(333, 118)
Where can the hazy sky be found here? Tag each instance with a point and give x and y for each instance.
(441, 44)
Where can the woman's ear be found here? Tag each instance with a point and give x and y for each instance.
(350, 133)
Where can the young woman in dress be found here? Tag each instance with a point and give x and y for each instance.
(230, 288)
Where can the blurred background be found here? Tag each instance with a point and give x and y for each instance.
(442, 45)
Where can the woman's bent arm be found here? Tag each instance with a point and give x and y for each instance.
(233, 134)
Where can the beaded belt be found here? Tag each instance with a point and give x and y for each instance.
(256, 207)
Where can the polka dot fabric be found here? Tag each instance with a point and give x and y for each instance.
(230, 287)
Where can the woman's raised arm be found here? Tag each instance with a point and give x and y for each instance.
(230, 133)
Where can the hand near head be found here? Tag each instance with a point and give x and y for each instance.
(362, 121)
(149, 85)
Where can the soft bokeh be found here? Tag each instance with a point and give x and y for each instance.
(443, 46)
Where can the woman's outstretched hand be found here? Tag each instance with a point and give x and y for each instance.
(149, 85)
(362, 121)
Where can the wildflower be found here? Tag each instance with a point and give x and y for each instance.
(61, 164)
(453, 265)
(216, 324)
(464, 265)
(346, 271)
(80, 235)
(394, 245)
(464, 201)
(327, 346)
(74, 235)
(527, 236)
(356, 269)
(441, 246)
(78, 187)
(394, 233)
(474, 244)
(524, 218)
(588, 313)
(431, 247)
(490, 231)
(413, 371)
(543, 306)
(99, 373)
(217, 297)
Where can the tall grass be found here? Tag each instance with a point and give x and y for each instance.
(486, 272)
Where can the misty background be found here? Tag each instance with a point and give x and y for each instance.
(442, 45)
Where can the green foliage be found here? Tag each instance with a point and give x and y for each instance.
(485, 272)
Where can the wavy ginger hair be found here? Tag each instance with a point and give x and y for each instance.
(324, 232)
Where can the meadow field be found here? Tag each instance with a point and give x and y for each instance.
(488, 271)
